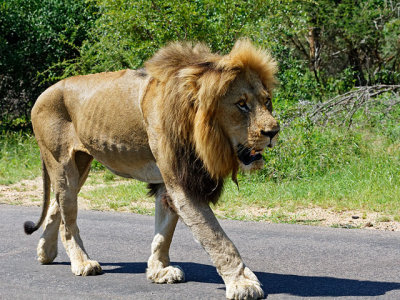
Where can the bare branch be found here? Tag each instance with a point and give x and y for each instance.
(370, 99)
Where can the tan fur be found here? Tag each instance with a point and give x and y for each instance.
(177, 125)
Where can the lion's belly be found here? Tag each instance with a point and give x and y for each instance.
(122, 149)
(131, 161)
(148, 173)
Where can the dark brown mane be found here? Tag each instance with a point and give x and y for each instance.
(194, 178)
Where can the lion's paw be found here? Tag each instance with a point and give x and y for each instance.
(46, 252)
(170, 274)
(86, 268)
(246, 286)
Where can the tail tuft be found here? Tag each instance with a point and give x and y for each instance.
(29, 227)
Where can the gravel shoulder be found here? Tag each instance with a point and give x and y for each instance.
(29, 193)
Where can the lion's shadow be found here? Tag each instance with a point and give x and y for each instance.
(304, 286)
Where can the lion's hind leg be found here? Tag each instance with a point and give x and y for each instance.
(47, 248)
(67, 177)
(73, 176)
(159, 269)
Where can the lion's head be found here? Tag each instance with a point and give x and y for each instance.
(216, 108)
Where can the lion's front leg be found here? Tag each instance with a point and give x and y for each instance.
(241, 283)
(159, 269)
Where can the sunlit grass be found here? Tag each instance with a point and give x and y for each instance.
(19, 157)
(119, 195)
(362, 172)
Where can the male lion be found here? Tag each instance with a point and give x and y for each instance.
(182, 124)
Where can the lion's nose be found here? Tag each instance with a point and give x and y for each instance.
(270, 133)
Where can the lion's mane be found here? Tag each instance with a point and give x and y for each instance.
(192, 80)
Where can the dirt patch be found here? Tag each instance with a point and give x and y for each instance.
(26, 192)
(345, 219)
(318, 216)
(29, 193)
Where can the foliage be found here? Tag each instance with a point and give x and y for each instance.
(36, 36)
(129, 32)
(341, 43)
(306, 150)
(324, 48)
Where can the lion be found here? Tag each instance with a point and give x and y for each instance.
(183, 124)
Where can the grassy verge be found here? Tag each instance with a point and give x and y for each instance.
(312, 167)
(120, 195)
(327, 167)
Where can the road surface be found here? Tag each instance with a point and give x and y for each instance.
(291, 261)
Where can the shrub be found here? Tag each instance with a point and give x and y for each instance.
(36, 37)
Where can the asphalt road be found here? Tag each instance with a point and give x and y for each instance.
(291, 261)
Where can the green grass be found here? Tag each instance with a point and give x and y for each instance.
(362, 185)
(325, 167)
(312, 166)
(19, 157)
(129, 195)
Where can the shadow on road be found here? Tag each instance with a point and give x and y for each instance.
(124, 267)
(304, 286)
(313, 286)
(193, 271)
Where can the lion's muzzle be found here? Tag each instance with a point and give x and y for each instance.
(271, 134)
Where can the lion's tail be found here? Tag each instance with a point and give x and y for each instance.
(29, 226)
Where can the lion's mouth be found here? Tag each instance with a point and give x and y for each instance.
(247, 155)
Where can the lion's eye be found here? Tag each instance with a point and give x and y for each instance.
(243, 105)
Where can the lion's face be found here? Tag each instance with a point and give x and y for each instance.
(245, 114)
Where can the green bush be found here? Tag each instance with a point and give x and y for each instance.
(129, 32)
(37, 39)
(42, 41)
(305, 151)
